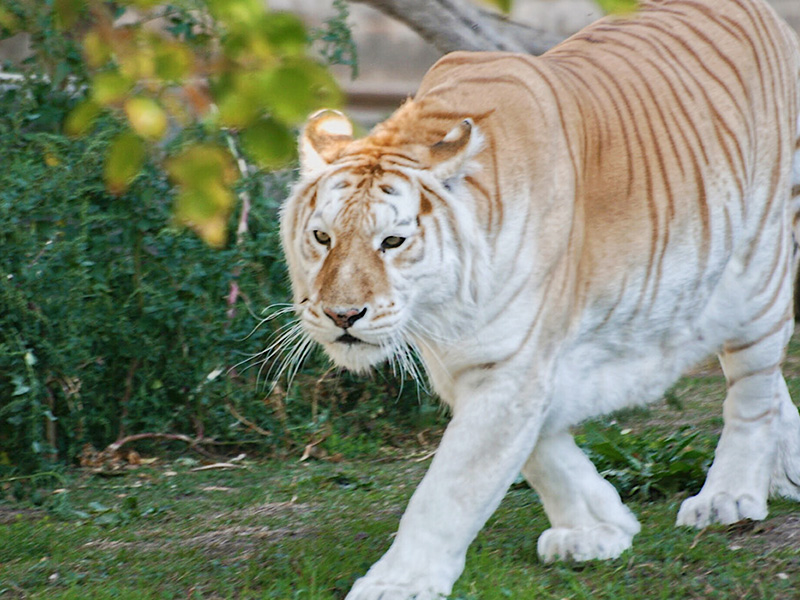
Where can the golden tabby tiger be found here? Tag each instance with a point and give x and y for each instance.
(560, 237)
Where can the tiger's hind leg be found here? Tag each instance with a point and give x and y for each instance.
(588, 519)
(758, 449)
(785, 480)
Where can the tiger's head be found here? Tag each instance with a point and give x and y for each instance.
(379, 237)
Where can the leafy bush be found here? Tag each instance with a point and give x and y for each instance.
(114, 317)
(647, 465)
(115, 321)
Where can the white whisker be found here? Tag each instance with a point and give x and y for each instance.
(284, 346)
(285, 308)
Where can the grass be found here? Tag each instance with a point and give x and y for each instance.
(306, 530)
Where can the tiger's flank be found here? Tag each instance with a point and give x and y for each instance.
(559, 237)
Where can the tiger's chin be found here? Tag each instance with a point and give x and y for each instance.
(355, 355)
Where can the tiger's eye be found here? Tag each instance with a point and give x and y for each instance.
(322, 237)
(393, 241)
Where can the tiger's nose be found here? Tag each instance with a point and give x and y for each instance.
(345, 319)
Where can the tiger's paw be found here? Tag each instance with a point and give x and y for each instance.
(367, 588)
(720, 507)
(602, 542)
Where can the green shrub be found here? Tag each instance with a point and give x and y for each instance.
(647, 465)
(114, 320)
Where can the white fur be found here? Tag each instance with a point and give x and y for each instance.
(515, 415)
(519, 364)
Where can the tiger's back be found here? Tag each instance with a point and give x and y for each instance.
(679, 124)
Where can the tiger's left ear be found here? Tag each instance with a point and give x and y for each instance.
(450, 156)
(325, 133)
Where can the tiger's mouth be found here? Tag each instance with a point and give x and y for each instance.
(350, 340)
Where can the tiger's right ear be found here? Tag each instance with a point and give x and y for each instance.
(450, 157)
(325, 133)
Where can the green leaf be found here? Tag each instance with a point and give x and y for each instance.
(269, 143)
(286, 33)
(202, 164)
(240, 101)
(236, 12)
(66, 12)
(619, 7)
(173, 60)
(298, 88)
(20, 387)
(124, 161)
(96, 507)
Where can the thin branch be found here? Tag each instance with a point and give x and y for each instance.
(126, 396)
(194, 443)
(241, 229)
(247, 423)
(459, 25)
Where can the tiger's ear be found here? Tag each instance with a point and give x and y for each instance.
(450, 156)
(325, 133)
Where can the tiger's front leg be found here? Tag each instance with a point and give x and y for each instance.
(482, 451)
(588, 519)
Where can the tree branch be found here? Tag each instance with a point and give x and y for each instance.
(458, 25)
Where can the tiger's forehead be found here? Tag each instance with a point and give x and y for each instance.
(376, 197)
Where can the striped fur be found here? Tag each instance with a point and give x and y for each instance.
(559, 237)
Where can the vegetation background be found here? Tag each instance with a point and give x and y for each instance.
(116, 319)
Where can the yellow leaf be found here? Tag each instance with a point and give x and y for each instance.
(81, 118)
(95, 49)
(502, 5)
(137, 61)
(8, 20)
(144, 4)
(202, 164)
(204, 175)
(206, 211)
(110, 87)
(146, 117)
(214, 232)
(124, 160)
(51, 160)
